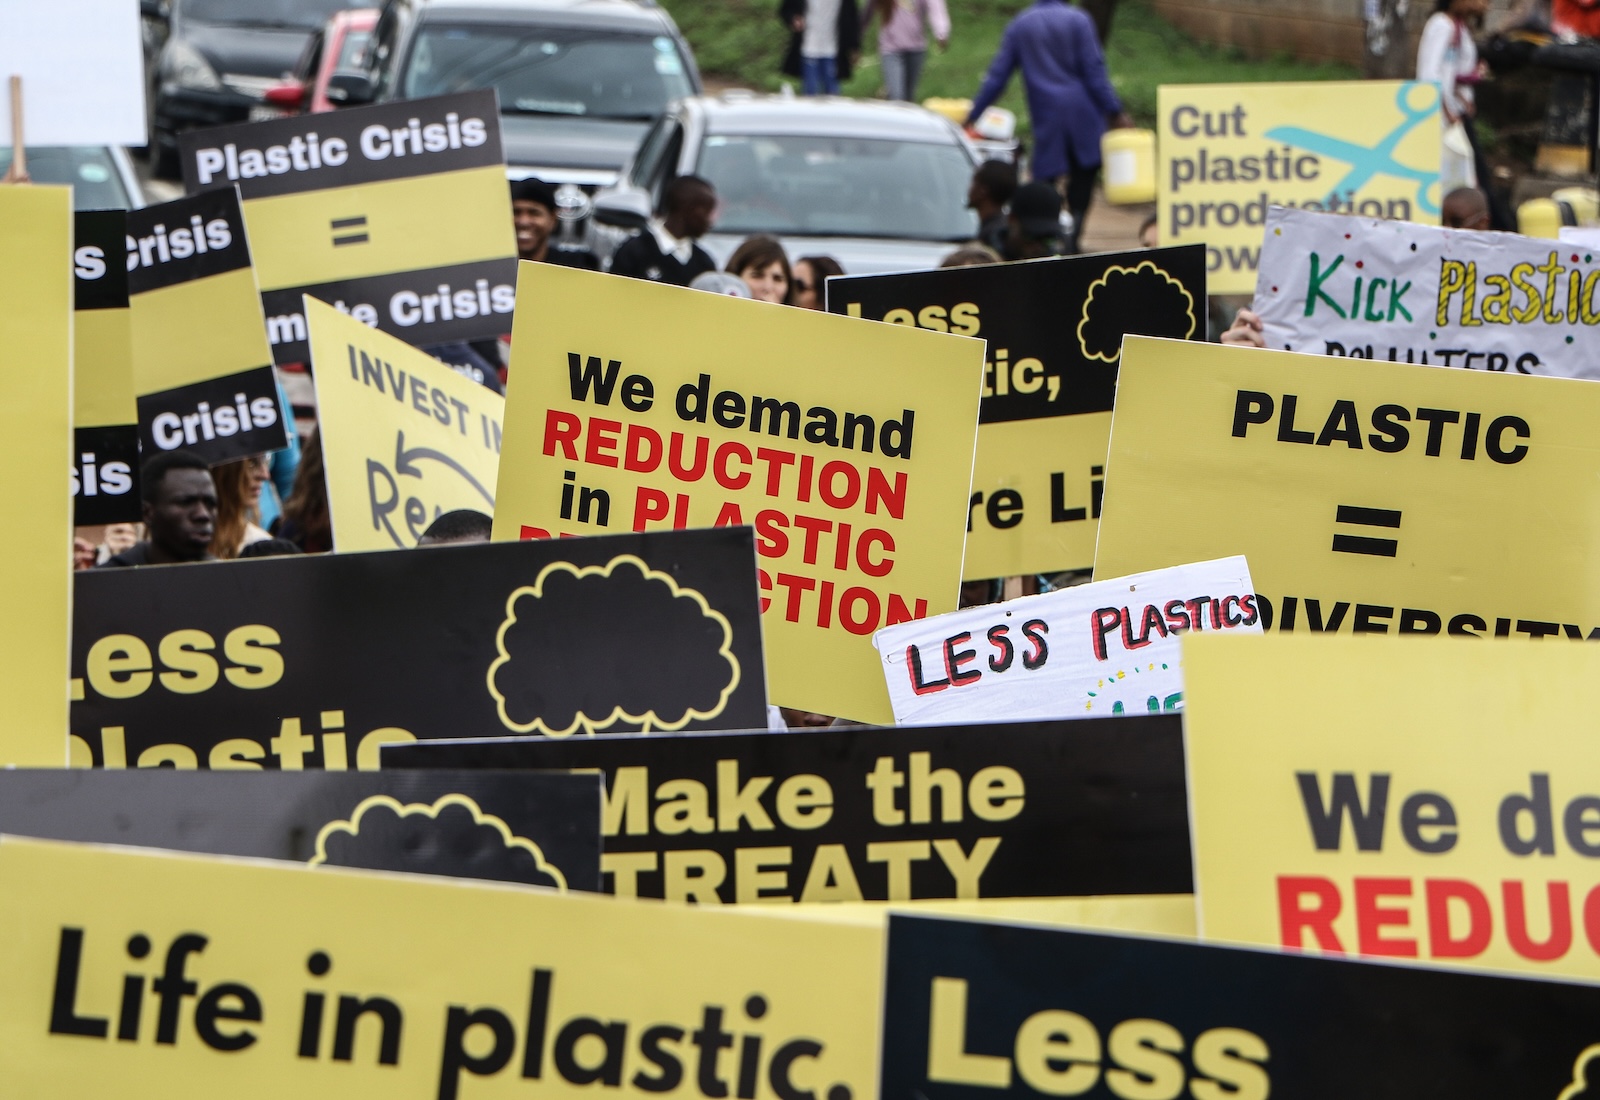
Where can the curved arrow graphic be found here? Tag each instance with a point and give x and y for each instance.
(405, 464)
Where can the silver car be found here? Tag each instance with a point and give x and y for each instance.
(878, 186)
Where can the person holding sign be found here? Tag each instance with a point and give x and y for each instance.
(1070, 98)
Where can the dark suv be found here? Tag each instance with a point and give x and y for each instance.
(210, 61)
(579, 80)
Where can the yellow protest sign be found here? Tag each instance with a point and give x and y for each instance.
(1229, 151)
(35, 450)
(1427, 800)
(179, 976)
(1150, 914)
(404, 438)
(847, 444)
(105, 418)
(1368, 497)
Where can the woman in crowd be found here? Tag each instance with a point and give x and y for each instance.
(238, 505)
(760, 261)
(810, 273)
(903, 43)
(1447, 56)
(305, 513)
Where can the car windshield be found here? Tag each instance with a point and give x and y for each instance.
(804, 185)
(307, 14)
(88, 168)
(550, 71)
(353, 52)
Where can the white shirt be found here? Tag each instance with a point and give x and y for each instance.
(821, 36)
(680, 249)
(1445, 53)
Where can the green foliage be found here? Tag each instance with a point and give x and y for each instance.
(741, 42)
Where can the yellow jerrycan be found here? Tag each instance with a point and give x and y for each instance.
(1130, 166)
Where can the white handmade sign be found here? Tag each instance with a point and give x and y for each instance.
(1106, 648)
(1585, 236)
(82, 69)
(1372, 289)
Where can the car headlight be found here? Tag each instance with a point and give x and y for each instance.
(183, 65)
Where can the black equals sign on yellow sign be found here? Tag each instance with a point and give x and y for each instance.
(341, 236)
(1363, 544)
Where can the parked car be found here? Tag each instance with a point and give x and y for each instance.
(101, 176)
(879, 186)
(579, 80)
(216, 59)
(340, 46)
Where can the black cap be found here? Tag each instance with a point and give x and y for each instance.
(1037, 208)
(534, 190)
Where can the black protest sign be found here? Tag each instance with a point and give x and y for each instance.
(315, 661)
(1036, 809)
(397, 214)
(536, 829)
(1054, 329)
(105, 430)
(974, 1009)
(201, 366)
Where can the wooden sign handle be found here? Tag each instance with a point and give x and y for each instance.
(18, 172)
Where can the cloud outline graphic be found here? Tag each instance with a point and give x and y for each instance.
(649, 719)
(1103, 281)
(352, 827)
(1576, 1089)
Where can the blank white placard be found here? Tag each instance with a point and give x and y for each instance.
(82, 69)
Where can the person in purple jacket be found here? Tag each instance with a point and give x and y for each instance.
(1070, 98)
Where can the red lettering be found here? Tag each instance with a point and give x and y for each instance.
(1372, 918)
(1442, 944)
(1106, 620)
(643, 452)
(648, 504)
(867, 623)
(561, 429)
(776, 461)
(919, 686)
(729, 516)
(813, 528)
(604, 435)
(764, 582)
(852, 484)
(719, 468)
(900, 613)
(1517, 922)
(797, 587)
(772, 541)
(953, 660)
(879, 492)
(870, 538)
(702, 448)
(527, 533)
(1295, 919)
